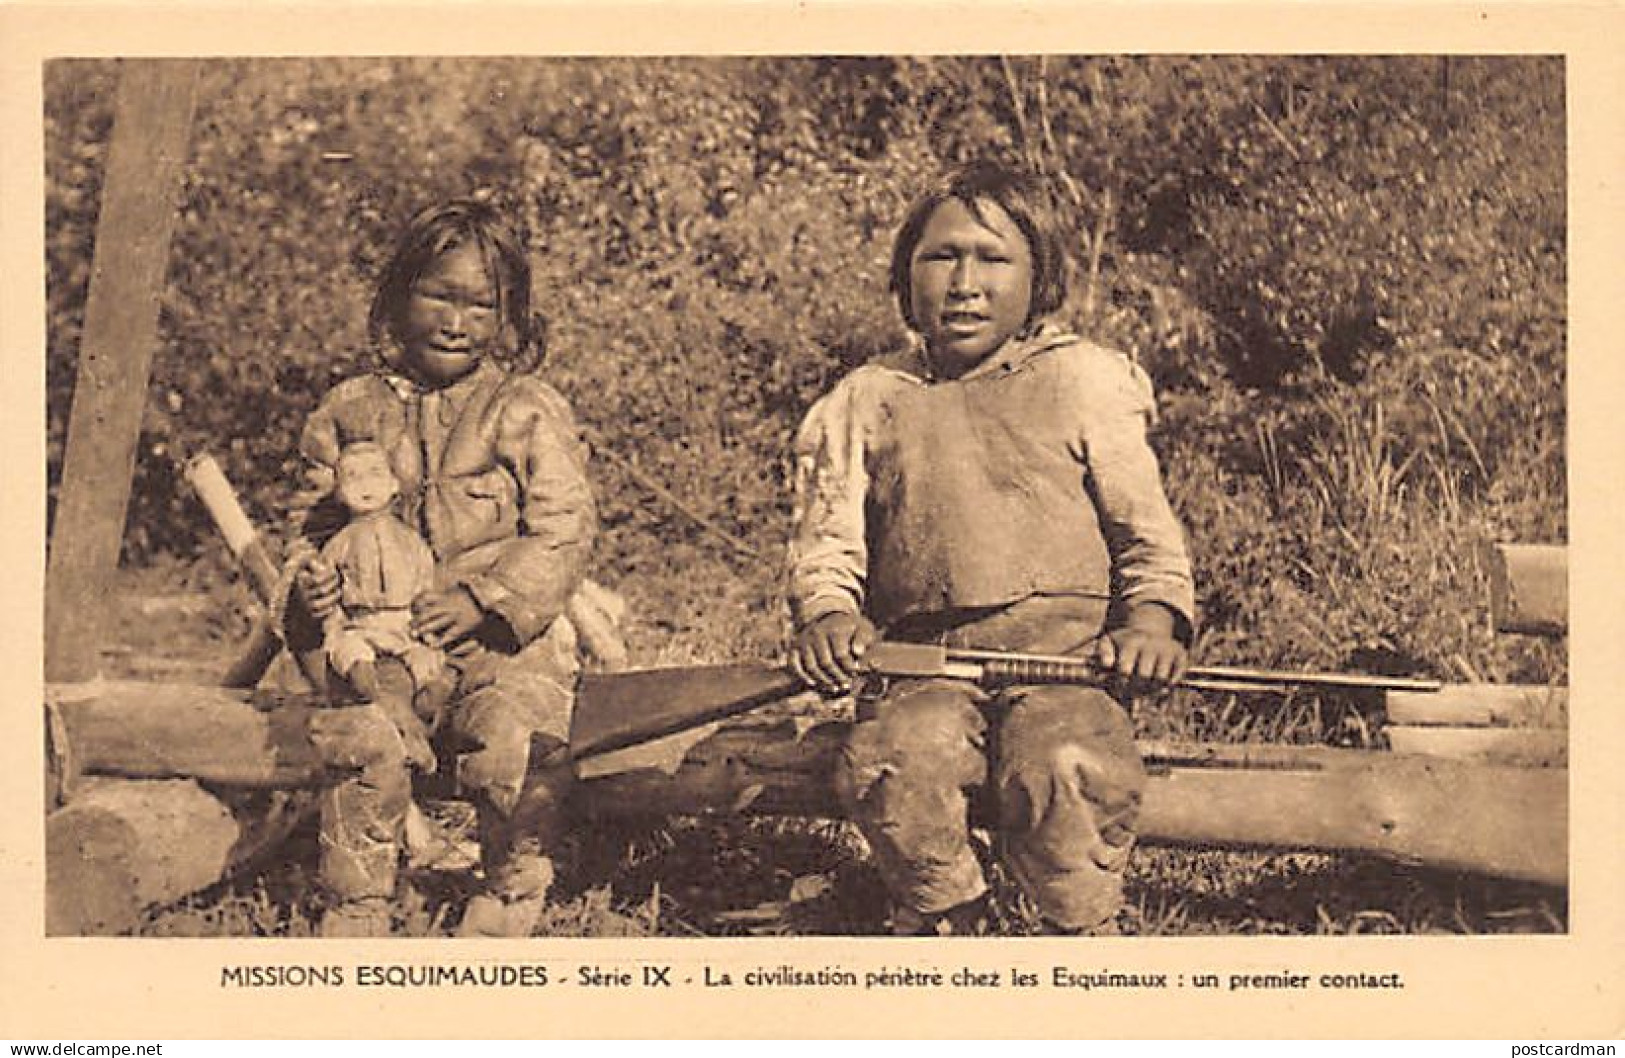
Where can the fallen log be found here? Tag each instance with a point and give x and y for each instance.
(219, 735)
(1509, 822)
(121, 847)
(1528, 747)
(165, 789)
(169, 788)
(1506, 821)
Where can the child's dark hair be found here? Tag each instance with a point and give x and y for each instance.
(1021, 194)
(439, 229)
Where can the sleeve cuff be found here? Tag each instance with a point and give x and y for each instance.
(810, 610)
(1183, 610)
(494, 597)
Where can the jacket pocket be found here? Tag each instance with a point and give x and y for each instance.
(487, 506)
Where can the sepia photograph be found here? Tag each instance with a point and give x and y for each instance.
(1095, 497)
(1318, 302)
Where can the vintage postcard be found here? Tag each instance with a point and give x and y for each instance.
(803, 520)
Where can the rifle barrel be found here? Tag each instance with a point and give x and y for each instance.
(1222, 678)
(1270, 678)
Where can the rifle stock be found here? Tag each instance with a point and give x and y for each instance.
(615, 710)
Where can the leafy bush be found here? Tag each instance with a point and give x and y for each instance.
(1345, 274)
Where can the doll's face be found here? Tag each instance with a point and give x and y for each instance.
(366, 483)
(971, 278)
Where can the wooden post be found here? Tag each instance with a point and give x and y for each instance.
(1529, 588)
(151, 121)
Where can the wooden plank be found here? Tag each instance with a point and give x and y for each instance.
(1529, 747)
(1481, 705)
(151, 122)
(1256, 755)
(1529, 588)
(121, 847)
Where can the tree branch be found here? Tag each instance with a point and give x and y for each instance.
(676, 502)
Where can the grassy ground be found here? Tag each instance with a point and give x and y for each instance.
(691, 877)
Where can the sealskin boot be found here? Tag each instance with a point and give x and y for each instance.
(969, 919)
(1108, 928)
(512, 903)
(367, 917)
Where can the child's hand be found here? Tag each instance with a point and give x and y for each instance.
(1144, 652)
(441, 618)
(828, 653)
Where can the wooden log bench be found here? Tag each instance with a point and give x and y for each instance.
(162, 789)
(165, 791)
(1508, 724)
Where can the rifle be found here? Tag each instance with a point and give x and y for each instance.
(620, 709)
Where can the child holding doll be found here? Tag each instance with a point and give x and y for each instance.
(492, 475)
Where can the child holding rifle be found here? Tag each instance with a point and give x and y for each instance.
(991, 487)
(492, 474)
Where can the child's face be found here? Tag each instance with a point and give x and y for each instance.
(972, 283)
(451, 317)
(366, 483)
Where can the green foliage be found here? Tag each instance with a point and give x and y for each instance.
(1363, 205)
(1345, 274)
